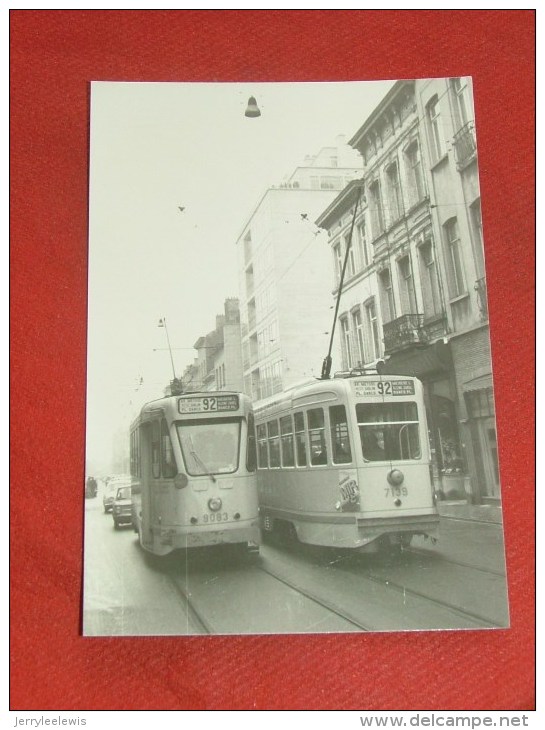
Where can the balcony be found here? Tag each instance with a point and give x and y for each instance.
(465, 145)
(403, 332)
(482, 302)
(434, 328)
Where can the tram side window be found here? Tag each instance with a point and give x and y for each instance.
(340, 441)
(274, 444)
(251, 456)
(300, 440)
(133, 455)
(316, 436)
(262, 454)
(286, 433)
(168, 462)
(136, 435)
(156, 450)
(135, 460)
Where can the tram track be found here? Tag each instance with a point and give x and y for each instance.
(324, 603)
(357, 613)
(472, 520)
(432, 558)
(193, 603)
(195, 616)
(472, 618)
(389, 584)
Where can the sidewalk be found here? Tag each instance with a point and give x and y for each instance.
(464, 511)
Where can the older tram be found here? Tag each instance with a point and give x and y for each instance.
(345, 462)
(193, 469)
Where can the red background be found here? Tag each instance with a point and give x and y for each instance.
(54, 56)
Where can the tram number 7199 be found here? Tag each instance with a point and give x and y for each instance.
(215, 517)
(396, 491)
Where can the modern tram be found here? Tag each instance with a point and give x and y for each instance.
(345, 462)
(193, 469)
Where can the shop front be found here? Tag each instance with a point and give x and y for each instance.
(432, 364)
(481, 422)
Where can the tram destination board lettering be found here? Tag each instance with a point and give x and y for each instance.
(208, 404)
(377, 388)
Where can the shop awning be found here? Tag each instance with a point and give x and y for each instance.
(483, 382)
(418, 361)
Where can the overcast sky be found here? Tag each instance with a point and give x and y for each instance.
(154, 148)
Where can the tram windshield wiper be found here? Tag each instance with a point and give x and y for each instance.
(199, 461)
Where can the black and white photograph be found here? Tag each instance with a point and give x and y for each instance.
(290, 421)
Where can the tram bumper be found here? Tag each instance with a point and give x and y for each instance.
(174, 539)
(348, 530)
(222, 537)
(395, 530)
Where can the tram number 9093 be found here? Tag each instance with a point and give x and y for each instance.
(215, 517)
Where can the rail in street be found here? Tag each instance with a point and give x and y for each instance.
(290, 588)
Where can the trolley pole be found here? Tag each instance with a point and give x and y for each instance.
(326, 365)
(163, 323)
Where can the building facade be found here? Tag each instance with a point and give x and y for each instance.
(284, 277)
(414, 295)
(446, 108)
(218, 362)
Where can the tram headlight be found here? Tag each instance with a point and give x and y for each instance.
(180, 481)
(214, 503)
(395, 477)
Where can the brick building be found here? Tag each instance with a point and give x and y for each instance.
(218, 363)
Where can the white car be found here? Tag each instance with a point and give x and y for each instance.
(122, 506)
(110, 491)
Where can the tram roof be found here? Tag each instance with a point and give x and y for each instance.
(169, 401)
(338, 385)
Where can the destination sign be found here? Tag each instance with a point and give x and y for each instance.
(208, 404)
(377, 388)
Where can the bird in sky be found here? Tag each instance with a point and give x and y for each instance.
(304, 216)
(181, 208)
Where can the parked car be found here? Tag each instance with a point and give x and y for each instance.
(110, 490)
(122, 506)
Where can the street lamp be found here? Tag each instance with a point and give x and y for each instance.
(252, 110)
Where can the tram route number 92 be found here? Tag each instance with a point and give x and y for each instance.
(210, 404)
(215, 517)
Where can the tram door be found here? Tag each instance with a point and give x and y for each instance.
(147, 507)
(480, 407)
(489, 451)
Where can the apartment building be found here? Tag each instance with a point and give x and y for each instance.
(218, 361)
(450, 154)
(414, 296)
(284, 275)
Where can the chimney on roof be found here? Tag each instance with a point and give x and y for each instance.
(232, 312)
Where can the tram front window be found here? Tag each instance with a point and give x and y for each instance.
(388, 431)
(210, 447)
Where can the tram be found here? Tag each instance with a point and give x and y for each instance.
(345, 462)
(193, 470)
